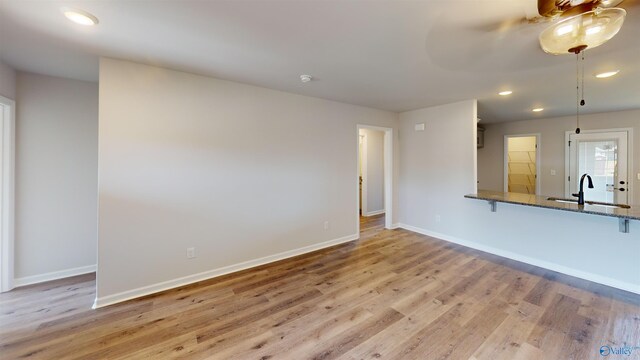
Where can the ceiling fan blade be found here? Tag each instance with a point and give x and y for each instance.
(548, 8)
(610, 3)
(555, 8)
(500, 26)
(626, 4)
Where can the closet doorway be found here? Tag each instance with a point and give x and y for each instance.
(522, 164)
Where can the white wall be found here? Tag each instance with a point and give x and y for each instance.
(552, 148)
(56, 177)
(236, 171)
(373, 171)
(7, 81)
(431, 184)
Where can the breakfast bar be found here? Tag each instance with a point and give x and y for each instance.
(624, 213)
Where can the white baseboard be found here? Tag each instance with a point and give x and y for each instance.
(529, 260)
(373, 213)
(170, 284)
(395, 226)
(54, 275)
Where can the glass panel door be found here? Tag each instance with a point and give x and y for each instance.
(604, 157)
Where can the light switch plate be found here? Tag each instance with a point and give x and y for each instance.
(553, 171)
(638, 176)
(419, 127)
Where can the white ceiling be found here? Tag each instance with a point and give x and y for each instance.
(393, 55)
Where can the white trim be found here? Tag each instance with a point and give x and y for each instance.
(394, 226)
(190, 279)
(363, 166)
(54, 275)
(388, 174)
(505, 171)
(374, 213)
(7, 203)
(388, 177)
(529, 260)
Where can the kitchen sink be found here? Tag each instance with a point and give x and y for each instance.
(595, 203)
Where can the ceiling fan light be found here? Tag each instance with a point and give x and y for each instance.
(587, 30)
(563, 30)
(593, 30)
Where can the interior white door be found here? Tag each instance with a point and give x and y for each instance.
(604, 156)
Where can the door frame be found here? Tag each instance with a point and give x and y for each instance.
(7, 193)
(362, 166)
(630, 173)
(388, 174)
(505, 160)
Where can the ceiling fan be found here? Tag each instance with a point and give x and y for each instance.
(550, 11)
(586, 24)
(565, 8)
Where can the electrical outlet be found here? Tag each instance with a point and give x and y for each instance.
(191, 253)
(326, 225)
(638, 176)
(553, 171)
(438, 218)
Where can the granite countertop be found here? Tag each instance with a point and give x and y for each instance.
(542, 201)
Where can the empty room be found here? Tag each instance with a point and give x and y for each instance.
(188, 179)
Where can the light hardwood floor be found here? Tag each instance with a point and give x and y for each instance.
(393, 294)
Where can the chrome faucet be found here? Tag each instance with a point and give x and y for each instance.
(580, 194)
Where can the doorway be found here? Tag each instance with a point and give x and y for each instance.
(604, 155)
(360, 179)
(375, 169)
(522, 164)
(371, 172)
(7, 150)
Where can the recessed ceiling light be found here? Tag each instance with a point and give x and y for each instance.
(505, 93)
(607, 74)
(80, 17)
(537, 109)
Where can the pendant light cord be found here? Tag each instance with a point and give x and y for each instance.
(582, 102)
(579, 88)
(577, 94)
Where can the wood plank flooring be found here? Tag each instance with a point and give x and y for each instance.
(393, 294)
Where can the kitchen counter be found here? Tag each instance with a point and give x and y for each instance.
(632, 213)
